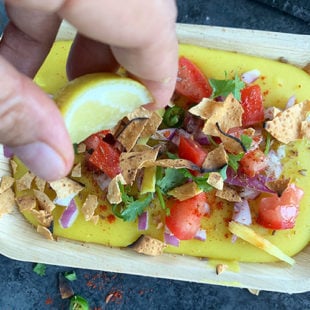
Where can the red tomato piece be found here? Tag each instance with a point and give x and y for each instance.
(92, 141)
(105, 158)
(252, 103)
(253, 162)
(280, 212)
(191, 82)
(191, 150)
(185, 216)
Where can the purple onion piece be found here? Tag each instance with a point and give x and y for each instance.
(257, 183)
(7, 152)
(171, 239)
(143, 220)
(242, 213)
(69, 215)
(250, 76)
(201, 235)
(164, 134)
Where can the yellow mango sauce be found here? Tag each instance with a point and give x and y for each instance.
(278, 82)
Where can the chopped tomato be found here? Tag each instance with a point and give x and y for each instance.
(253, 162)
(102, 155)
(280, 212)
(191, 150)
(252, 103)
(185, 216)
(191, 82)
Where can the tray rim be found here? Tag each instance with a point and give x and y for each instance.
(254, 276)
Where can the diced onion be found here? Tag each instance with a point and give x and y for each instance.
(242, 213)
(164, 134)
(178, 133)
(7, 152)
(207, 209)
(249, 193)
(290, 102)
(143, 221)
(102, 180)
(171, 239)
(69, 215)
(201, 235)
(65, 202)
(274, 168)
(250, 76)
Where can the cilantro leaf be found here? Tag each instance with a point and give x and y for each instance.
(246, 141)
(223, 172)
(171, 179)
(268, 144)
(131, 208)
(39, 269)
(173, 117)
(225, 87)
(233, 160)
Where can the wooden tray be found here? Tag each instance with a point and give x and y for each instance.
(18, 240)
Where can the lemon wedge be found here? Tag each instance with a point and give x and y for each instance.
(98, 101)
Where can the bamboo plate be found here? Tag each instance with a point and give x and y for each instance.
(18, 240)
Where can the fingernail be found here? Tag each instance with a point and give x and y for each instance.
(42, 160)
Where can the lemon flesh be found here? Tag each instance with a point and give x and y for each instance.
(98, 101)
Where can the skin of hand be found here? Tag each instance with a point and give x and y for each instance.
(139, 36)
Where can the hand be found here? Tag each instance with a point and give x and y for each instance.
(140, 36)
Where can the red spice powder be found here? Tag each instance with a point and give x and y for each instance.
(103, 208)
(111, 218)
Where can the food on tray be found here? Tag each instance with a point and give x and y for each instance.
(220, 173)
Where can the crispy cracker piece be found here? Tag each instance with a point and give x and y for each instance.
(45, 232)
(40, 183)
(286, 126)
(131, 162)
(43, 217)
(254, 291)
(89, 207)
(216, 180)
(13, 166)
(220, 268)
(131, 133)
(227, 114)
(44, 201)
(215, 159)
(26, 202)
(271, 112)
(149, 246)
(7, 202)
(139, 112)
(6, 183)
(172, 163)
(114, 194)
(232, 146)
(185, 191)
(228, 194)
(95, 219)
(66, 187)
(141, 148)
(305, 129)
(151, 125)
(76, 171)
(81, 148)
(279, 186)
(25, 181)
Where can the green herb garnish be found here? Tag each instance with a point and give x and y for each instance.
(246, 141)
(268, 143)
(225, 87)
(233, 160)
(174, 117)
(39, 269)
(131, 208)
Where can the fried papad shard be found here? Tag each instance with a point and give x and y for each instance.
(45, 232)
(278, 186)
(7, 202)
(76, 171)
(26, 202)
(185, 191)
(89, 206)
(44, 201)
(6, 183)
(215, 179)
(25, 181)
(172, 163)
(114, 195)
(43, 217)
(66, 187)
(229, 194)
(291, 124)
(227, 114)
(130, 134)
(149, 246)
(215, 159)
(40, 183)
(131, 162)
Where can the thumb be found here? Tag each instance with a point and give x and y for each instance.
(32, 126)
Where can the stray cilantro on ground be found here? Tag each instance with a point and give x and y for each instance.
(70, 275)
(39, 269)
(225, 87)
(78, 303)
